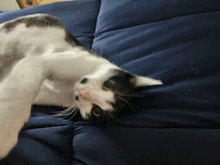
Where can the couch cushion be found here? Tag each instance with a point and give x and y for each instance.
(175, 41)
(129, 145)
(124, 14)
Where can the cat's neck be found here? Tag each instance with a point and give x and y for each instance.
(73, 64)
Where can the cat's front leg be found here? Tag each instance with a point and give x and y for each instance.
(17, 93)
(13, 115)
(8, 139)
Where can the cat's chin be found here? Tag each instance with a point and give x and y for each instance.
(84, 108)
(84, 114)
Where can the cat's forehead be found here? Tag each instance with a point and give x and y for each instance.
(110, 71)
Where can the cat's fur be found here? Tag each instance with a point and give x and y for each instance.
(42, 63)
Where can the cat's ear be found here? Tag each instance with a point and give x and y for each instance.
(140, 81)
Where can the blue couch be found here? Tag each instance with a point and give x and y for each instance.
(177, 41)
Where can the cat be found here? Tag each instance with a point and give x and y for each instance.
(42, 63)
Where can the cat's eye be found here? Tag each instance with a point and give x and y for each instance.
(96, 111)
(84, 80)
(108, 85)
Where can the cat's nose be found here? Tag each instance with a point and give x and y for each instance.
(85, 93)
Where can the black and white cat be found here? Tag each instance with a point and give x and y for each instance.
(42, 63)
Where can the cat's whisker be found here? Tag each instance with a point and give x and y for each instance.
(66, 113)
(61, 112)
(71, 111)
(131, 106)
(129, 95)
(74, 113)
(113, 118)
(108, 120)
(109, 114)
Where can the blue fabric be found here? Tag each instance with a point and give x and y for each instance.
(180, 49)
(43, 140)
(177, 123)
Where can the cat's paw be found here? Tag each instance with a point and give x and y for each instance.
(13, 115)
(8, 139)
(12, 119)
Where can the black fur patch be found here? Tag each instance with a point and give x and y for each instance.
(122, 79)
(123, 90)
(43, 20)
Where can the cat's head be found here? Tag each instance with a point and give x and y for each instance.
(101, 95)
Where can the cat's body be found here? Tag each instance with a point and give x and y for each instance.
(42, 63)
(39, 35)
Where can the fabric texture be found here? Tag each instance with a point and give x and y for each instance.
(176, 123)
